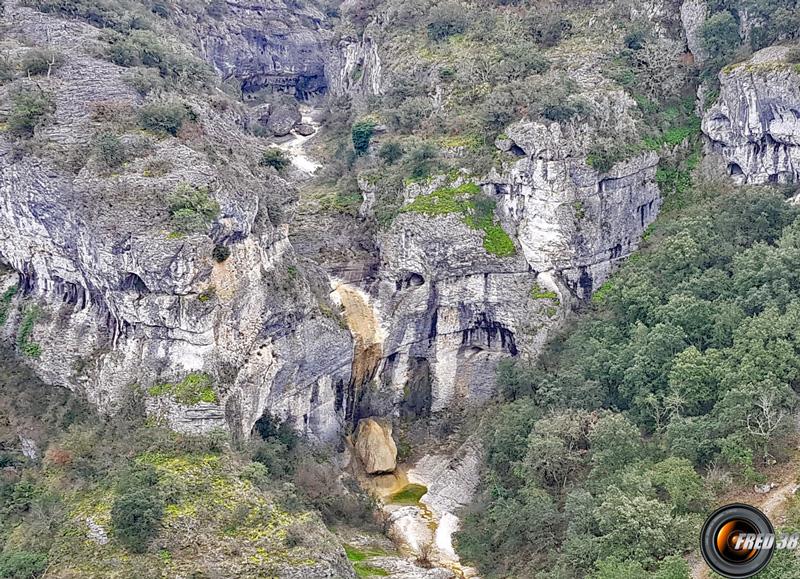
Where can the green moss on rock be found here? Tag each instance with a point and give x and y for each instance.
(476, 209)
(196, 387)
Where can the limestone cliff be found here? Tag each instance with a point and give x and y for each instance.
(451, 309)
(755, 123)
(115, 299)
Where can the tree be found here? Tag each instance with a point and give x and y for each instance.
(694, 379)
(720, 35)
(138, 508)
(390, 152)
(614, 443)
(556, 449)
(274, 158)
(361, 133)
(682, 485)
(447, 19)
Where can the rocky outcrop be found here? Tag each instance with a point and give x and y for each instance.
(116, 300)
(571, 219)
(274, 47)
(693, 15)
(355, 66)
(755, 123)
(282, 118)
(452, 310)
(375, 446)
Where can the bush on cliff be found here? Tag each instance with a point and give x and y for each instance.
(30, 108)
(192, 209)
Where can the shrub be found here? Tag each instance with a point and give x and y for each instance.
(548, 29)
(274, 158)
(421, 161)
(99, 13)
(447, 19)
(390, 152)
(140, 47)
(720, 35)
(793, 55)
(5, 302)
(635, 39)
(29, 109)
(217, 8)
(564, 110)
(602, 159)
(221, 253)
(497, 110)
(138, 509)
(411, 112)
(40, 61)
(6, 69)
(164, 117)
(22, 565)
(110, 149)
(191, 209)
(144, 80)
(361, 134)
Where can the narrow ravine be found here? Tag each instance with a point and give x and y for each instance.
(418, 523)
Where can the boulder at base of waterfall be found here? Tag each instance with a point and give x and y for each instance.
(304, 129)
(283, 118)
(375, 446)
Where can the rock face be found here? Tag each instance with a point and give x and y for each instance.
(693, 16)
(274, 47)
(355, 67)
(123, 302)
(452, 311)
(375, 446)
(282, 119)
(115, 300)
(755, 123)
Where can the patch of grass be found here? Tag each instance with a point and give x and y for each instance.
(196, 387)
(358, 556)
(363, 570)
(408, 495)
(5, 302)
(539, 293)
(477, 211)
(24, 343)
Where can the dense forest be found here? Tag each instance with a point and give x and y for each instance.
(679, 382)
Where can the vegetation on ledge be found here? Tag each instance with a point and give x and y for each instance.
(196, 387)
(476, 209)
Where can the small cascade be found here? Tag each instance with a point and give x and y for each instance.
(422, 532)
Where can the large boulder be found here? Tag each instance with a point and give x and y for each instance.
(305, 129)
(283, 118)
(375, 446)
